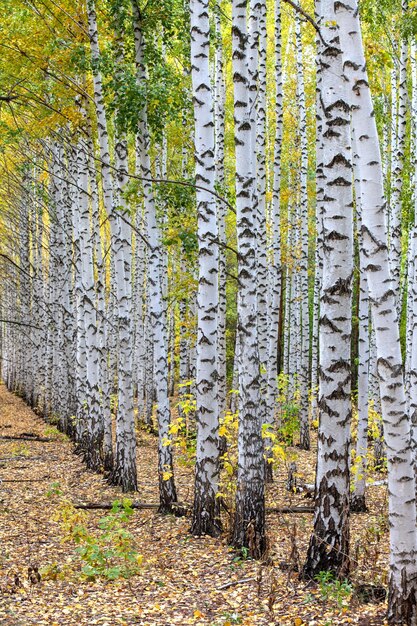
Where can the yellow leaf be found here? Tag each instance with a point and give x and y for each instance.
(198, 613)
(298, 621)
(229, 469)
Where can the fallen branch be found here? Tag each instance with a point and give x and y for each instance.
(291, 509)
(236, 582)
(26, 438)
(23, 480)
(23, 457)
(106, 506)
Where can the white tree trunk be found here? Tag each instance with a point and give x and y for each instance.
(318, 257)
(275, 270)
(206, 512)
(357, 502)
(329, 545)
(219, 122)
(260, 128)
(124, 470)
(303, 372)
(92, 447)
(249, 522)
(401, 482)
(157, 308)
(397, 165)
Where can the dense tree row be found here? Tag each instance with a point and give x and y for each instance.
(195, 208)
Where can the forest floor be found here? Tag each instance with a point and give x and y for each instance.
(182, 580)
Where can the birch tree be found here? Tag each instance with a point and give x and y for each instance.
(399, 122)
(249, 522)
(305, 318)
(329, 545)
(155, 303)
(401, 483)
(219, 122)
(275, 271)
(124, 470)
(206, 513)
(318, 256)
(358, 497)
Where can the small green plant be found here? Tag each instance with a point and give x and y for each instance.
(241, 556)
(54, 433)
(54, 489)
(308, 598)
(20, 449)
(368, 461)
(276, 447)
(54, 571)
(228, 431)
(53, 419)
(371, 547)
(187, 401)
(232, 618)
(290, 425)
(378, 529)
(183, 435)
(334, 590)
(288, 400)
(111, 552)
(113, 402)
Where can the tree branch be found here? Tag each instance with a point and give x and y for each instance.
(8, 98)
(20, 323)
(307, 17)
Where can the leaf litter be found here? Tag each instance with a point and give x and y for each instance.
(182, 579)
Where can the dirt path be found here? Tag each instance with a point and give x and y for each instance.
(181, 577)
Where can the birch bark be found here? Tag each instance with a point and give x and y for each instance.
(206, 512)
(275, 270)
(401, 482)
(157, 308)
(249, 522)
(329, 545)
